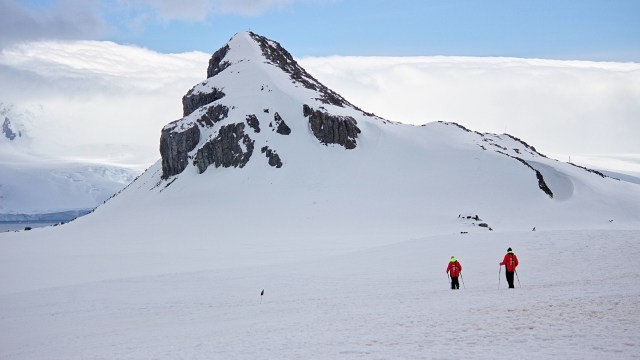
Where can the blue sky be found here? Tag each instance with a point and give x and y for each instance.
(553, 29)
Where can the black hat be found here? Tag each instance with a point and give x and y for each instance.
(509, 249)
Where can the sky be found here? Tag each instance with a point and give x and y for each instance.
(104, 76)
(550, 29)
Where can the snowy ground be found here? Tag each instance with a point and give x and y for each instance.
(580, 299)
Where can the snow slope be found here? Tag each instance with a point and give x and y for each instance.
(388, 302)
(350, 246)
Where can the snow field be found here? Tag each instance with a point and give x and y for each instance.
(579, 300)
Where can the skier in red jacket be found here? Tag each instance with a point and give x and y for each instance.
(454, 269)
(510, 263)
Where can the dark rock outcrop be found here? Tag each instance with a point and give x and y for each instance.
(280, 126)
(593, 171)
(193, 100)
(274, 158)
(527, 146)
(281, 58)
(457, 125)
(541, 183)
(230, 148)
(332, 129)
(213, 115)
(253, 122)
(7, 130)
(216, 63)
(175, 147)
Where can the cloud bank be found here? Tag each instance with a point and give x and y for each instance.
(109, 101)
(562, 107)
(98, 100)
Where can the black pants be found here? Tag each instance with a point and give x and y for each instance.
(510, 279)
(454, 283)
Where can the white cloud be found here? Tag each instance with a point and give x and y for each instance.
(98, 99)
(108, 100)
(561, 107)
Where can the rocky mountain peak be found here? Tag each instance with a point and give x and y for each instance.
(253, 80)
(274, 53)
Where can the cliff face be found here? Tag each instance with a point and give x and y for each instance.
(175, 147)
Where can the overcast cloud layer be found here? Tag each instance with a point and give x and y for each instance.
(101, 98)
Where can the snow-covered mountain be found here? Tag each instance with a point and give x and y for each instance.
(259, 109)
(271, 177)
(266, 157)
(35, 185)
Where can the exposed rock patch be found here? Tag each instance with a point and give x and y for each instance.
(216, 63)
(459, 126)
(175, 147)
(473, 220)
(193, 100)
(253, 122)
(592, 171)
(230, 148)
(332, 129)
(8, 131)
(213, 115)
(280, 126)
(281, 58)
(527, 146)
(541, 183)
(274, 158)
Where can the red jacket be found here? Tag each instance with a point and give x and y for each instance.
(510, 262)
(454, 268)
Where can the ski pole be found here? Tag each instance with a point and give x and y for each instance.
(517, 277)
(461, 278)
(499, 272)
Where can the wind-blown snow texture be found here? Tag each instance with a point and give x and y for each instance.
(350, 245)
